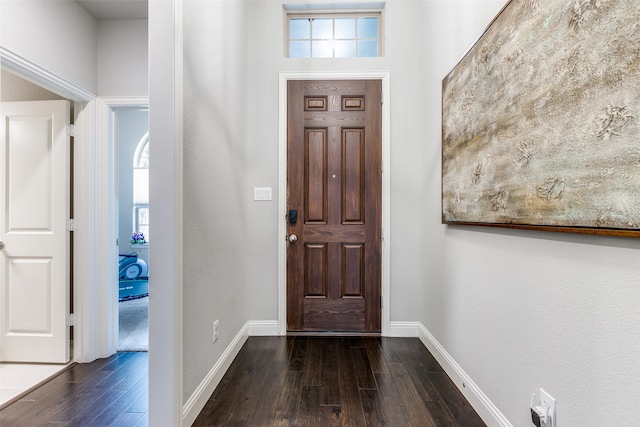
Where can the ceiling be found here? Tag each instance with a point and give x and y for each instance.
(116, 9)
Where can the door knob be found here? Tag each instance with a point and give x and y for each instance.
(293, 238)
(1, 245)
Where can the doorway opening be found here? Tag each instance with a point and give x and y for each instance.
(32, 110)
(131, 134)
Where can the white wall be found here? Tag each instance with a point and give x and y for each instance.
(216, 193)
(108, 58)
(14, 88)
(520, 310)
(123, 53)
(58, 36)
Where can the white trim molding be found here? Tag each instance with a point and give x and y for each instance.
(489, 412)
(43, 78)
(262, 328)
(86, 339)
(404, 329)
(205, 389)
(166, 398)
(385, 77)
(104, 232)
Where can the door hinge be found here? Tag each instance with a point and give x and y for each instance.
(381, 97)
(71, 130)
(72, 225)
(72, 319)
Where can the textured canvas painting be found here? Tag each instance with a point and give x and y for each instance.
(541, 120)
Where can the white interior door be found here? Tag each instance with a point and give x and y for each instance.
(34, 207)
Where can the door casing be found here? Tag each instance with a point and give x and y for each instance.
(107, 108)
(384, 76)
(84, 334)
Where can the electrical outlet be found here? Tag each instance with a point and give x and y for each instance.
(543, 415)
(546, 401)
(216, 330)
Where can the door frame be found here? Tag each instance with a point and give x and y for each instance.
(95, 252)
(87, 335)
(106, 135)
(384, 77)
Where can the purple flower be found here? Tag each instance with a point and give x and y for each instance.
(138, 237)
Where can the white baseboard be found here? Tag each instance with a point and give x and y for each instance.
(404, 329)
(489, 413)
(263, 328)
(199, 398)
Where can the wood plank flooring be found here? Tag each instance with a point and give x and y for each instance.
(327, 381)
(274, 381)
(110, 391)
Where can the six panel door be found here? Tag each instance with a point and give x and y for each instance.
(334, 182)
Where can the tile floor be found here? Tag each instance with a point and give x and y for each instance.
(17, 378)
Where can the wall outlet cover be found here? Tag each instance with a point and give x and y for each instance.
(547, 401)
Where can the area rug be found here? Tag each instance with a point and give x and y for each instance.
(134, 325)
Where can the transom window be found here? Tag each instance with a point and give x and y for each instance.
(334, 35)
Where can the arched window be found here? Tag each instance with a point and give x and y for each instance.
(141, 187)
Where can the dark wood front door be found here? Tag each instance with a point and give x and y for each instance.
(334, 184)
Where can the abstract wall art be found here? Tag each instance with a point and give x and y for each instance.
(541, 120)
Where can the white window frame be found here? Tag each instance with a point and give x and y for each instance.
(333, 14)
(144, 143)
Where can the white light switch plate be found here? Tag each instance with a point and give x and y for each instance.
(261, 193)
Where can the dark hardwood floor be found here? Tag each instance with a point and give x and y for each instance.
(350, 381)
(274, 381)
(107, 392)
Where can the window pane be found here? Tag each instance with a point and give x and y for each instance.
(367, 28)
(143, 217)
(300, 49)
(345, 48)
(141, 220)
(322, 29)
(323, 49)
(367, 48)
(329, 35)
(141, 186)
(300, 28)
(345, 28)
(141, 156)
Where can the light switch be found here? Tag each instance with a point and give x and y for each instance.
(261, 193)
